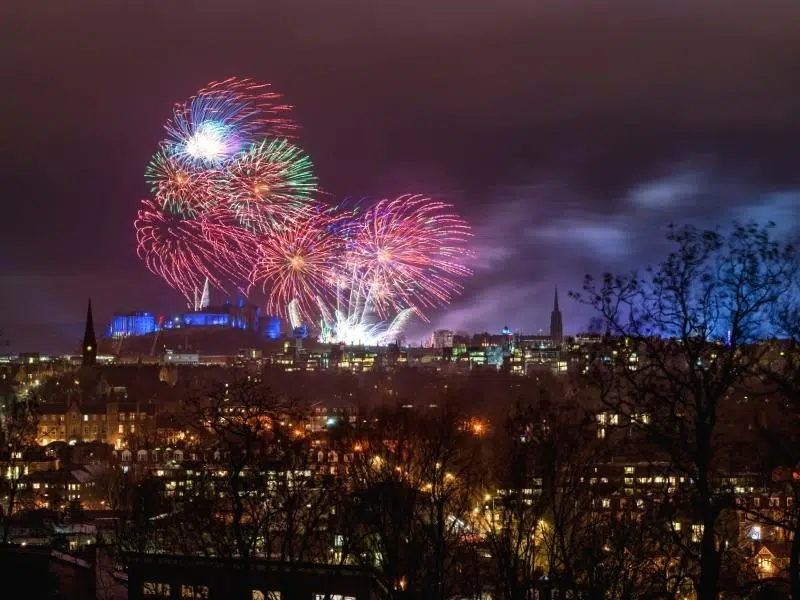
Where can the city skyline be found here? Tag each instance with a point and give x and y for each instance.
(574, 173)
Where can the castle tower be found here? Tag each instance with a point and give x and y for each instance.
(89, 348)
(556, 325)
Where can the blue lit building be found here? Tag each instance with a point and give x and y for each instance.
(134, 323)
(228, 315)
(273, 328)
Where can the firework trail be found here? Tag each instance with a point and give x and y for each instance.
(186, 252)
(353, 320)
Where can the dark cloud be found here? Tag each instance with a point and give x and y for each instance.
(568, 131)
(529, 243)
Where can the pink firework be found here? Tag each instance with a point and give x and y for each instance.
(410, 249)
(298, 262)
(186, 252)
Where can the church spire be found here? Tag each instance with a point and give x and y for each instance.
(556, 324)
(89, 349)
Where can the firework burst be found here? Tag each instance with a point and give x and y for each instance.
(410, 251)
(298, 262)
(186, 252)
(179, 187)
(236, 203)
(270, 184)
(223, 118)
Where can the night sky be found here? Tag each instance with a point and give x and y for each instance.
(568, 133)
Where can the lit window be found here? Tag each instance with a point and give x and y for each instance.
(156, 590)
(697, 532)
(764, 564)
(259, 595)
(85, 418)
(194, 592)
(755, 532)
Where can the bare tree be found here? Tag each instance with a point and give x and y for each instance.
(413, 478)
(685, 336)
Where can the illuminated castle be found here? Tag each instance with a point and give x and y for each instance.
(200, 314)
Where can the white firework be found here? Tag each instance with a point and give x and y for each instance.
(354, 321)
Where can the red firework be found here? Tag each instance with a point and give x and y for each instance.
(410, 249)
(186, 252)
(298, 262)
(267, 109)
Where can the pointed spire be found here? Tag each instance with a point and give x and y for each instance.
(89, 349)
(556, 324)
(89, 320)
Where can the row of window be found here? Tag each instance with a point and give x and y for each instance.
(154, 589)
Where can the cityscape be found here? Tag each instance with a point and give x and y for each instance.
(407, 301)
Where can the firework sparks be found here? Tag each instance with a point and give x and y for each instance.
(178, 186)
(270, 184)
(223, 118)
(353, 321)
(186, 252)
(297, 262)
(237, 204)
(410, 250)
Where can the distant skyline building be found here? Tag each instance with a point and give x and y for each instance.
(556, 322)
(443, 338)
(89, 348)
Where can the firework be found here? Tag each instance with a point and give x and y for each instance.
(186, 252)
(298, 262)
(270, 184)
(178, 186)
(236, 203)
(409, 250)
(353, 321)
(223, 118)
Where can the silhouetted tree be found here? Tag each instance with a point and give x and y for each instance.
(685, 334)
